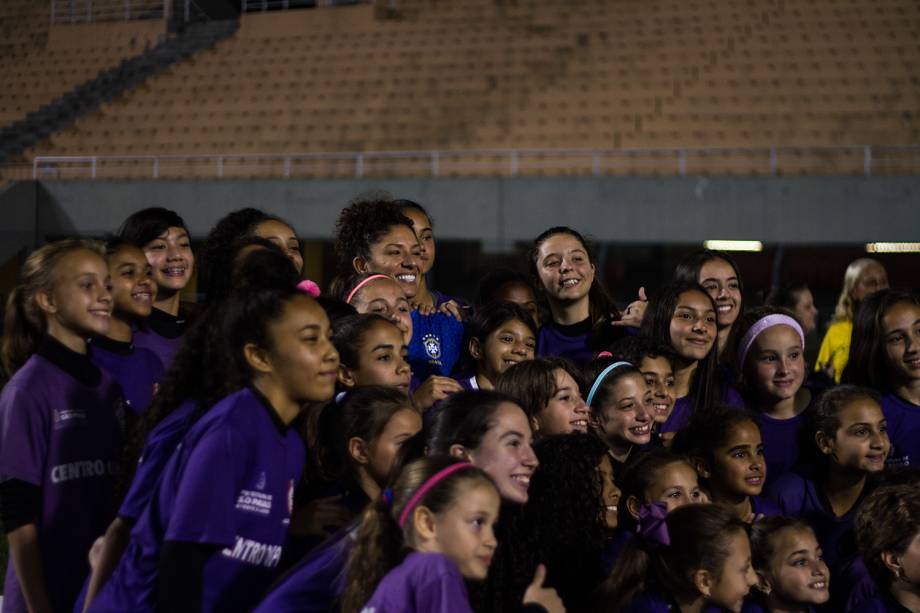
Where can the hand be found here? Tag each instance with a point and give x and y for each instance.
(451, 307)
(546, 597)
(434, 389)
(425, 309)
(320, 517)
(632, 316)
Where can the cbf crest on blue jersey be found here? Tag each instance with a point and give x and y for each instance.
(432, 345)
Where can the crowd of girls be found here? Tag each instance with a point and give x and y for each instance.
(377, 445)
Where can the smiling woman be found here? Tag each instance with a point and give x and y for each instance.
(581, 311)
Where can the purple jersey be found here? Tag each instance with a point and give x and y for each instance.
(781, 442)
(423, 583)
(856, 576)
(139, 371)
(880, 604)
(903, 419)
(764, 506)
(230, 484)
(800, 496)
(436, 345)
(158, 448)
(566, 341)
(162, 334)
(60, 430)
(679, 416)
(316, 583)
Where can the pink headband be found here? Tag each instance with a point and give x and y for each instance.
(432, 481)
(762, 324)
(358, 287)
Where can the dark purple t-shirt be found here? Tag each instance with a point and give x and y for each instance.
(799, 496)
(423, 583)
(317, 582)
(63, 434)
(229, 484)
(903, 419)
(158, 448)
(566, 341)
(781, 442)
(137, 370)
(161, 333)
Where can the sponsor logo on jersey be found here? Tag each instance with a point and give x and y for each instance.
(84, 469)
(253, 552)
(252, 501)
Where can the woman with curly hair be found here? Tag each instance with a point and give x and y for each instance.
(572, 514)
(372, 235)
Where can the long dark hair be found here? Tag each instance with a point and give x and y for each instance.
(568, 519)
(688, 269)
(657, 324)
(381, 544)
(868, 362)
(601, 308)
(200, 370)
(700, 537)
(463, 418)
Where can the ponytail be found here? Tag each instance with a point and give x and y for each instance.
(25, 322)
(385, 537)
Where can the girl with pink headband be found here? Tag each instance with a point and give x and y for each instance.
(424, 537)
(770, 357)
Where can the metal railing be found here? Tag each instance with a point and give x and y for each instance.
(88, 11)
(858, 159)
(252, 6)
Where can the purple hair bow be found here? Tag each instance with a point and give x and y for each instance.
(653, 526)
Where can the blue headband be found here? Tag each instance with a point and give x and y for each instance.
(600, 379)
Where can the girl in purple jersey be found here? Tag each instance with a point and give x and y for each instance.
(188, 391)
(166, 243)
(60, 425)
(139, 371)
(888, 535)
(418, 543)
(655, 361)
(718, 274)
(621, 406)
(499, 335)
(214, 532)
(359, 442)
(885, 355)
(726, 447)
(770, 357)
(373, 352)
(583, 318)
(683, 315)
(492, 431)
(851, 444)
(791, 572)
(652, 475)
(694, 557)
(549, 391)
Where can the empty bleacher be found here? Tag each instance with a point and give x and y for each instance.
(496, 74)
(39, 62)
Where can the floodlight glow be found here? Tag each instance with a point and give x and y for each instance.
(722, 245)
(893, 247)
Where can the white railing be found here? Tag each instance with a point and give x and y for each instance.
(857, 159)
(252, 6)
(88, 11)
